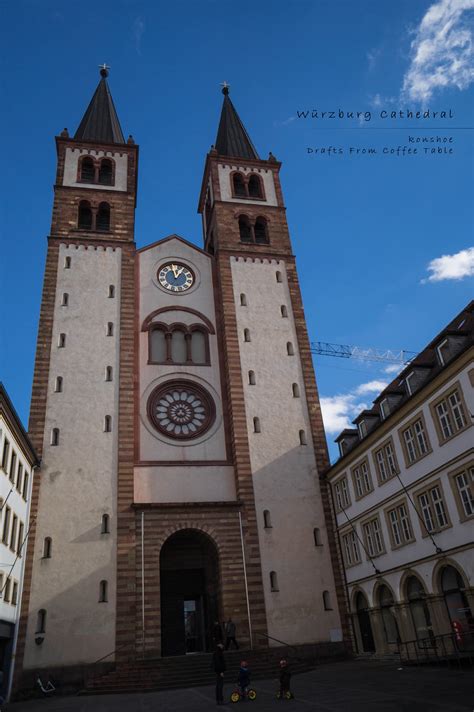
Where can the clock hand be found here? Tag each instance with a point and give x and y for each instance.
(179, 271)
(175, 271)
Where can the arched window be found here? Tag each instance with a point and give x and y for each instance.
(302, 437)
(261, 231)
(87, 170)
(327, 601)
(246, 334)
(103, 218)
(105, 524)
(108, 373)
(284, 311)
(317, 537)
(456, 600)
(108, 424)
(279, 278)
(256, 425)
(62, 341)
(267, 521)
(245, 229)
(58, 386)
(239, 185)
(179, 352)
(295, 390)
(103, 586)
(198, 346)
(105, 172)
(47, 548)
(418, 609)
(243, 300)
(67, 263)
(274, 581)
(41, 621)
(55, 436)
(386, 604)
(110, 328)
(111, 291)
(158, 346)
(255, 187)
(84, 219)
(65, 299)
(252, 379)
(289, 349)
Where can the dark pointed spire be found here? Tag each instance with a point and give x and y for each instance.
(232, 138)
(100, 122)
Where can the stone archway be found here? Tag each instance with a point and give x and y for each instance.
(190, 592)
(365, 626)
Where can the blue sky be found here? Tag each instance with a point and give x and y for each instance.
(365, 228)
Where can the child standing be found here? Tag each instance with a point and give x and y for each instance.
(285, 679)
(243, 679)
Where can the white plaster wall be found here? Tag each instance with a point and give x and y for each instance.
(72, 159)
(265, 174)
(284, 472)
(180, 482)
(78, 477)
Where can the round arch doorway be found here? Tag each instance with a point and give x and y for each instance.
(189, 583)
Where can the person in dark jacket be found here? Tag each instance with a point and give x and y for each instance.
(285, 678)
(219, 665)
(243, 679)
(230, 634)
(217, 633)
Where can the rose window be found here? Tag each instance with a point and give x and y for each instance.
(181, 409)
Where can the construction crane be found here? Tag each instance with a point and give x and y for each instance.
(322, 348)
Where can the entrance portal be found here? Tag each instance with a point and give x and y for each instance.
(189, 578)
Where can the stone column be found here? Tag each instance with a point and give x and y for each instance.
(378, 630)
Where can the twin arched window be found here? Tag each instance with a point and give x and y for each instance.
(85, 218)
(179, 343)
(256, 232)
(247, 186)
(101, 171)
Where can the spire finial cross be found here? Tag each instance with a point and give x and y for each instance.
(225, 87)
(104, 70)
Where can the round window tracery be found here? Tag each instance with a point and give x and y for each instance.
(181, 409)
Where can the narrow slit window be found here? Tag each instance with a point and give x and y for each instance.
(243, 300)
(15, 593)
(67, 263)
(327, 601)
(284, 311)
(108, 424)
(41, 621)
(256, 425)
(58, 386)
(302, 435)
(65, 300)
(295, 390)
(62, 341)
(108, 373)
(110, 328)
(274, 581)
(55, 436)
(317, 537)
(267, 521)
(111, 291)
(105, 528)
(47, 545)
(252, 379)
(103, 592)
(278, 276)
(247, 335)
(289, 349)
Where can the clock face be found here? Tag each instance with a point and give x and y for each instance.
(175, 277)
(181, 409)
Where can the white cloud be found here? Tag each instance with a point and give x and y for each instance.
(442, 53)
(339, 410)
(287, 121)
(456, 266)
(393, 368)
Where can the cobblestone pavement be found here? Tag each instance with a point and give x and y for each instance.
(353, 686)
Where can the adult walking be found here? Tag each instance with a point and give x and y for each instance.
(230, 634)
(218, 661)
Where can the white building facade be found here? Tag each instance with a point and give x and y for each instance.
(402, 492)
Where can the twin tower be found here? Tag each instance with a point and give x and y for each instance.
(176, 414)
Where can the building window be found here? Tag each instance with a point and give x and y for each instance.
(103, 592)
(415, 441)
(67, 263)
(278, 276)
(443, 352)
(408, 382)
(87, 170)
(15, 593)
(256, 425)
(462, 483)
(341, 494)
(289, 349)
(110, 328)
(24, 494)
(302, 436)
(350, 549)
(384, 409)
(108, 373)
(41, 621)
(261, 231)
(385, 462)
(55, 436)
(449, 415)
(245, 229)
(179, 344)
(7, 590)
(273, 581)
(105, 524)
(6, 525)
(252, 379)
(13, 533)
(19, 477)
(58, 386)
(65, 300)
(362, 479)
(21, 531)
(61, 341)
(84, 219)
(111, 291)
(238, 182)
(327, 601)
(373, 537)
(12, 466)
(255, 187)
(6, 451)
(317, 537)
(247, 335)
(243, 300)
(433, 509)
(108, 424)
(103, 218)
(47, 548)
(267, 522)
(295, 389)
(399, 526)
(105, 172)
